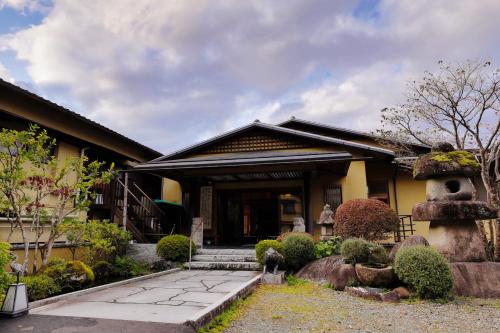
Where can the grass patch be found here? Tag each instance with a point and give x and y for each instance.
(222, 321)
(295, 281)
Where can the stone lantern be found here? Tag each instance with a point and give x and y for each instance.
(450, 207)
(326, 222)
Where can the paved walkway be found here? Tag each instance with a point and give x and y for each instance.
(171, 298)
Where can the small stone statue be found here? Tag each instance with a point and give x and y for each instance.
(298, 225)
(272, 260)
(16, 267)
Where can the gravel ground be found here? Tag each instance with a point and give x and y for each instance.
(313, 308)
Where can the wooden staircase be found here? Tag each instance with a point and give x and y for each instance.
(143, 217)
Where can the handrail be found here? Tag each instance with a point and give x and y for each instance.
(149, 199)
(191, 242)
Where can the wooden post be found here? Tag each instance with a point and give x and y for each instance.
(125, 203)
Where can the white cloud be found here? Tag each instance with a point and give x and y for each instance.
(25, 5)
(168, 73)
(5, 75)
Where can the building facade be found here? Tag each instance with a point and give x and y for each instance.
(250, 183)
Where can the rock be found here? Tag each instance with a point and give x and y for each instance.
(332, 270)
(410, 241)
(374, 277)
(391, 297)
(476, 279)
(143, 252)
(459, 163)
(161, 265)
(453, 211)
(402, 292)
(364, 293)
(270, 278)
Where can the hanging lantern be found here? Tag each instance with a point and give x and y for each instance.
(15, 303)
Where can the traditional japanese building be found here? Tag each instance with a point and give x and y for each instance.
(250, 183)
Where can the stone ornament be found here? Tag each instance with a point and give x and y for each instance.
(326, 222)
(298, 225)
(272, 260)
(450, 207)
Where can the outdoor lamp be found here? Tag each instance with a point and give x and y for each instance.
(15, 303)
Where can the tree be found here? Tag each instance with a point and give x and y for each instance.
(40, 191)
(459, 104)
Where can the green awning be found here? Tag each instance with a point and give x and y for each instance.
(165, 202)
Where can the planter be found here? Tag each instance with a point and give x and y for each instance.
(374, 277)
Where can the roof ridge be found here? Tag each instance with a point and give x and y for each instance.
(73, 113)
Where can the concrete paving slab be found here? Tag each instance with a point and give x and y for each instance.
(197, 296)
(173, 298)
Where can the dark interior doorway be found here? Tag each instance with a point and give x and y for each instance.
(248, 216)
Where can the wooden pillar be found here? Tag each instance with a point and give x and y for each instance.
(306, 190)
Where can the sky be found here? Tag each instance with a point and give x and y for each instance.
(171, 73)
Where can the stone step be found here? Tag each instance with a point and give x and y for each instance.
(224, 265)
(245, 252)
(225, 257)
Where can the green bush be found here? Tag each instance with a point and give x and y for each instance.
(327, 248)
(298, 250)
(285, 235)
(70, 275)
(5, 278)
(40, 286)
(105, 241)
(264, 245)
(360, 251)
(126, 267)
(175, 248)
(355, 250)
(425, 270)
(103, 271)
(377, 255)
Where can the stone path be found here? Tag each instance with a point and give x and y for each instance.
(170, 298)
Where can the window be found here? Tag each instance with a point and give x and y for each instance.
(333, 196)
(378, 189)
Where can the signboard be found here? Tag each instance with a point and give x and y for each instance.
(206, 193)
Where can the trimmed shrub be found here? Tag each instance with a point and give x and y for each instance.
(264, 245)
(175, 248)
(126, 267)
(5, 278)
(298, 250)
(40, 286)
(285, 235)
(355, 250)
(370, 219)
(70, 275)
(425, 270)
(327, 248)
(103, 271)
(377, 255)
(360, 251)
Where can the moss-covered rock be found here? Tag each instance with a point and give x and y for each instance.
(438, 163)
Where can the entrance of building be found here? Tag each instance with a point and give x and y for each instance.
(248, 216)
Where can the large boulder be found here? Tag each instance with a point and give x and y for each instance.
(374, 277)
(332, 270)
(410, 241)
(476, 279)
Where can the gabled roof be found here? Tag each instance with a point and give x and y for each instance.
(75, 117)
(245, 159)
(292, 122)
(277, 129)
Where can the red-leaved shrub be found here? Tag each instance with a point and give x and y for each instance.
(370, 219)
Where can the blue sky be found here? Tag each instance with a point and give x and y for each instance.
(170, 73)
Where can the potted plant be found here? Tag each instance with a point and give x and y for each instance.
(375, 272)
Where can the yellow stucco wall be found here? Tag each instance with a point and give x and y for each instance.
(57, 252)
(171, 191)
(64, 151)
(410, 192)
